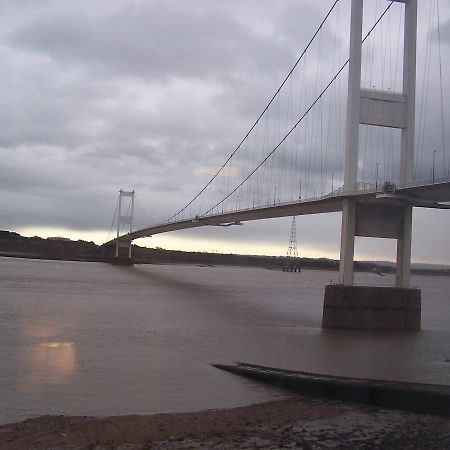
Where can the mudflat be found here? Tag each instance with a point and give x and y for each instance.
(297, 422)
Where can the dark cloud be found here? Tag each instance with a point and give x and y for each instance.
(155, 40)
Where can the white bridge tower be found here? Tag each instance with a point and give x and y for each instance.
(125, 214)
(385, 109)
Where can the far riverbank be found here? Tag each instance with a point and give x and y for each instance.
(61, 249)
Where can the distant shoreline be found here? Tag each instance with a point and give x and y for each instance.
(428, 272)
(14, 245)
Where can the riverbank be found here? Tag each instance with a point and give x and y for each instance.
(294, 423)
(62, 249)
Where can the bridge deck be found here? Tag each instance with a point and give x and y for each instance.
(421, 195)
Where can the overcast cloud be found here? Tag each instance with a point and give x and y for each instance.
(147, 95)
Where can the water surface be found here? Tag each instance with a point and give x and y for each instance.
(95, 339)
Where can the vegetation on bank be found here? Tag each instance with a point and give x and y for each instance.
(13, 244)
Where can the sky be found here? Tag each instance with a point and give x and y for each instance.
(150, 95)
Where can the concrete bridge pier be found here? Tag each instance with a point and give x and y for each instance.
(399, 307)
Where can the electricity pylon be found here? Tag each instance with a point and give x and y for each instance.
(292, 249)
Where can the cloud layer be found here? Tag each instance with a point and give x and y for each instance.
(145, 95)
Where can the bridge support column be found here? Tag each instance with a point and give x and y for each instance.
(351, 145)
(347, 242)
(402, 278)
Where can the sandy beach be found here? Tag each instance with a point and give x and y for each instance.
(294, 423)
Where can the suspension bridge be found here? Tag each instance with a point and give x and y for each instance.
(348, 130)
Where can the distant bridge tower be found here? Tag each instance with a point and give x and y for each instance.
(385, 109)
(292, 248)
(125, 214)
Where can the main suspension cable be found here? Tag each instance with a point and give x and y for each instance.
(301, 118)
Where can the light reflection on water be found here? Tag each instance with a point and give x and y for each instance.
(93, 339)
(52, 363)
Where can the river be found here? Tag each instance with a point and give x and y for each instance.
(84, 338)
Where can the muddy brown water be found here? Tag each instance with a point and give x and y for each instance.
(93, 339)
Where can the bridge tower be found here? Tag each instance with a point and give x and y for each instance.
(125, 214)
(386, 109)
(345, 305)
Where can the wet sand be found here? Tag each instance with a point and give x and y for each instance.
(294, 423)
